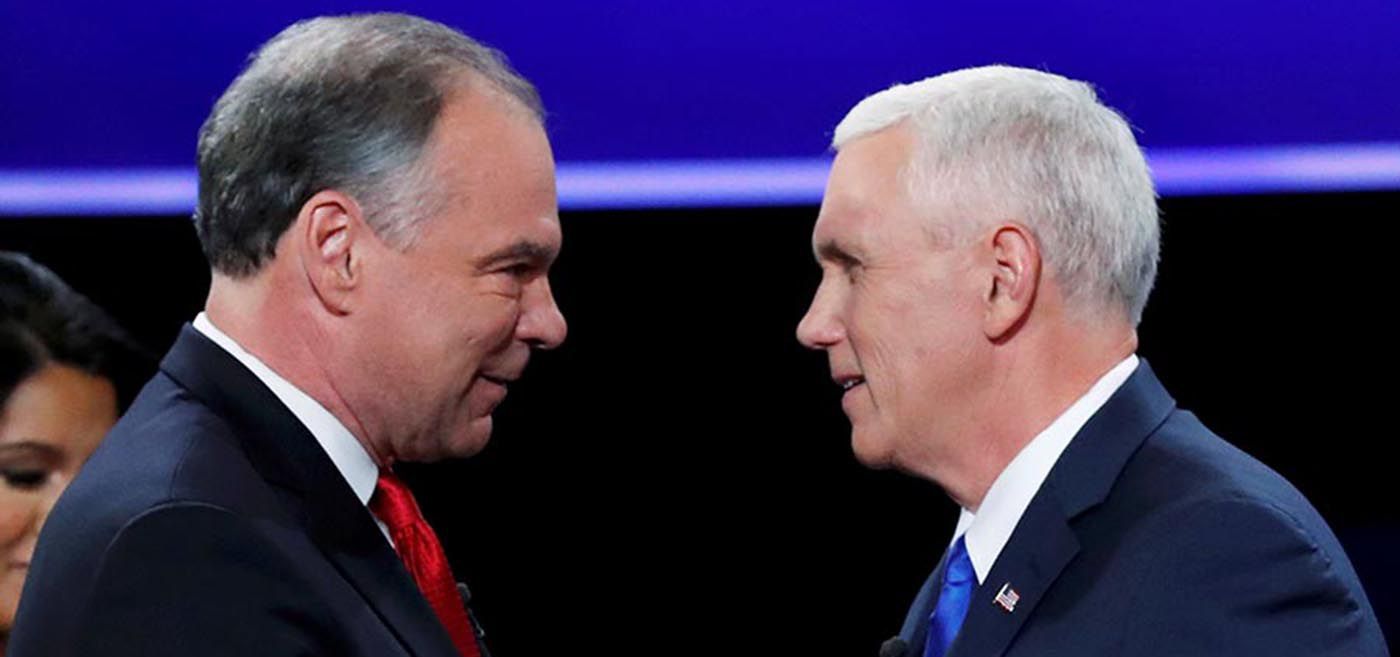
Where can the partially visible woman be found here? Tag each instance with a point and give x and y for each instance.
(66, 372)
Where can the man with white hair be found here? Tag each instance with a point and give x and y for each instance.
(988, 240)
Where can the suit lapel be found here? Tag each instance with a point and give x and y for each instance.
(1038, 551)
(286, 454)
(1044, 541)
(389, 589)
(915, 630)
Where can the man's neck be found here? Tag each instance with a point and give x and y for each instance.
(288, 340)
(1037, 387)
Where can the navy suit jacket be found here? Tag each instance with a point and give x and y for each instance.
(1152, 536)
(210, 522)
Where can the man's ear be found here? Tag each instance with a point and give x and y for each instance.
(1015, 280)
(333, 234)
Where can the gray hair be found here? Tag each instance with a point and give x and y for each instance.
(347, 103)
(998, 142)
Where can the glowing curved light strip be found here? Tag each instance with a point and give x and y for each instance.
(734, 183)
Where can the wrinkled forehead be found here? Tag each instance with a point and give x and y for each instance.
(866, 191)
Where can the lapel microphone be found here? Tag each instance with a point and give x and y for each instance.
(894, 647)
(466, 595)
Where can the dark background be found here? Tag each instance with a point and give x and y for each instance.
(677, 478)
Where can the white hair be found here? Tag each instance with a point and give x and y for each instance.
(998, 142)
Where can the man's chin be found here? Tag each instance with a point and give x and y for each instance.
(471, 440)
(872, 451)
(466, 441)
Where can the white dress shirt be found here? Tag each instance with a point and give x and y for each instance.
(988, 530)
(349, 456)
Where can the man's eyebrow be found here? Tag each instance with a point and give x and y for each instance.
(536, 253)
(829, 250)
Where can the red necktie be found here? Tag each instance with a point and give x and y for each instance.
(422, 554)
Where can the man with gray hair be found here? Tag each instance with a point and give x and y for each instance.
(377, 203)
(988, 240)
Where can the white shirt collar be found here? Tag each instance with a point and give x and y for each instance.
(346, 452)
(990, 528)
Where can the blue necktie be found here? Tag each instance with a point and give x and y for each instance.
(958, 583)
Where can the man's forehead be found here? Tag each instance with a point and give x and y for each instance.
(542, 232)
(482, 136)
(866, 192)
(839, 230)
(850, 209)
(867, 171)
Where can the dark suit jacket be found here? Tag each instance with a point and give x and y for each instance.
(210, 522)
(1152, 536)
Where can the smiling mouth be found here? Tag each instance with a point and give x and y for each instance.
(497, 380)
(847, 384)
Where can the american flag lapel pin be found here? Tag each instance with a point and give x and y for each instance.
(1007, 598)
